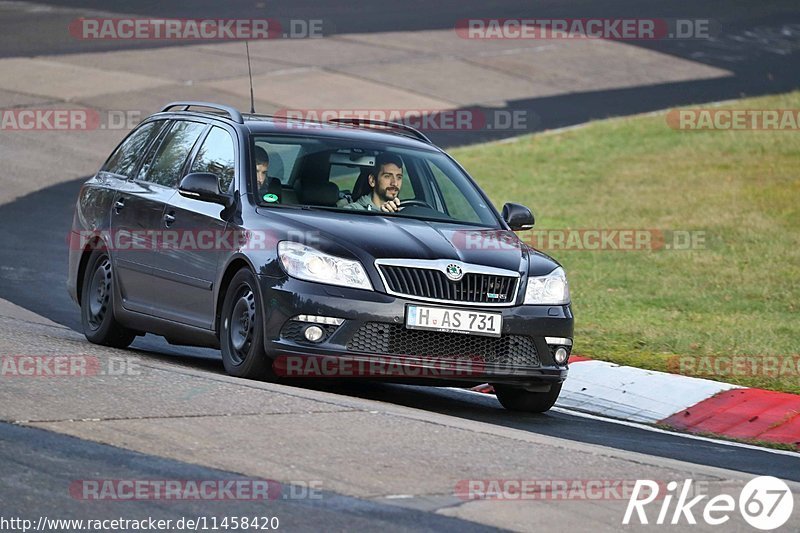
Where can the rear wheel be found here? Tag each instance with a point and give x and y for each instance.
(97, 304)
(517, 399)
(242, 330)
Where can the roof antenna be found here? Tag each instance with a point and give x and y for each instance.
(250, 73)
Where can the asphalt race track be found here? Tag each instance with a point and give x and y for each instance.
(762, 61)
(34, 279)
(50, 458)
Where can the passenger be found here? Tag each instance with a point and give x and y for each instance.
(262, 166)
(385, 182)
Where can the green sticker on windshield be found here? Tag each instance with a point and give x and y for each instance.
(270, 198)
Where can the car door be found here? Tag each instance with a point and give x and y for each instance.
(131, 206)
(137, 215)
(193, 264)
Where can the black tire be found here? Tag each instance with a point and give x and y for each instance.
(100, 326)
(242, 331)
(517, 399)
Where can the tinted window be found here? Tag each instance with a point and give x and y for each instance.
(123, 160)
(322, 167)
(282, 157)
(216, 155)
(454, 200)
(344, 176)
(172, 154)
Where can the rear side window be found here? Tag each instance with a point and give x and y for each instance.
(217, 155)
(282, 157)
(345, 176)
(172, 154)
(123, 161)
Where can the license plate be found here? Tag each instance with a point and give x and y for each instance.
(454, 320)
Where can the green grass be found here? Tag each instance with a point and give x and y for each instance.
(754, 442)
(739, 295)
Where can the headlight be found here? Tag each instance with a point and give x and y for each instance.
(551, 289)
(303, 262)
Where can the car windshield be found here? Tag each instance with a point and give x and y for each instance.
(360, 179)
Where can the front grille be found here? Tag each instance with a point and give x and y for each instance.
(394, 339)
(433, 284)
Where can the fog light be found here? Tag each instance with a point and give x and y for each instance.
(561, 356)
(313, 333)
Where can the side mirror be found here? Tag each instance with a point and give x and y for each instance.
(203, 186)
(518, 217)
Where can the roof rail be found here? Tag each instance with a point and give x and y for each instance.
(232, 112)
(401, 128)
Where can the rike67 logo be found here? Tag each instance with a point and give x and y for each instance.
(765, 503)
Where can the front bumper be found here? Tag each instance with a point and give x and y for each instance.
(372, 341)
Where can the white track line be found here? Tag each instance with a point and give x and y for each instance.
(652, 429)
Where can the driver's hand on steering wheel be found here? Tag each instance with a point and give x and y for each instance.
(392, 206)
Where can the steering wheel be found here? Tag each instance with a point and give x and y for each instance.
(410, 203)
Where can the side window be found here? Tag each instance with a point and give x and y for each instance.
(282, 158)
(407, 190)
(456, 203)
(217, 155)
(123, 161)
(345, 176)
(172, 154)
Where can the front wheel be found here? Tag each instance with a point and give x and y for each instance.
(97, 304)
(517, 399)
(242, 330)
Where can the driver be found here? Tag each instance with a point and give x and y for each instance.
(385, 180)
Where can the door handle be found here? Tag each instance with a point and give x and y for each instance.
(169, 219)
(118, 205)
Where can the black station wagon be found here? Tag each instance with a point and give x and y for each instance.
(349, 248)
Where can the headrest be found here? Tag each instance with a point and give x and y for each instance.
(361, 186)
(326, 193)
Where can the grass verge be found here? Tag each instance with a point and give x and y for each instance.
(736, 292)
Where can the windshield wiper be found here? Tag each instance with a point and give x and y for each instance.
(373, 212)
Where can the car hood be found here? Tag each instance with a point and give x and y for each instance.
(370, 237)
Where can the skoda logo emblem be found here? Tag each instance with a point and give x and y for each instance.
(454, 272)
